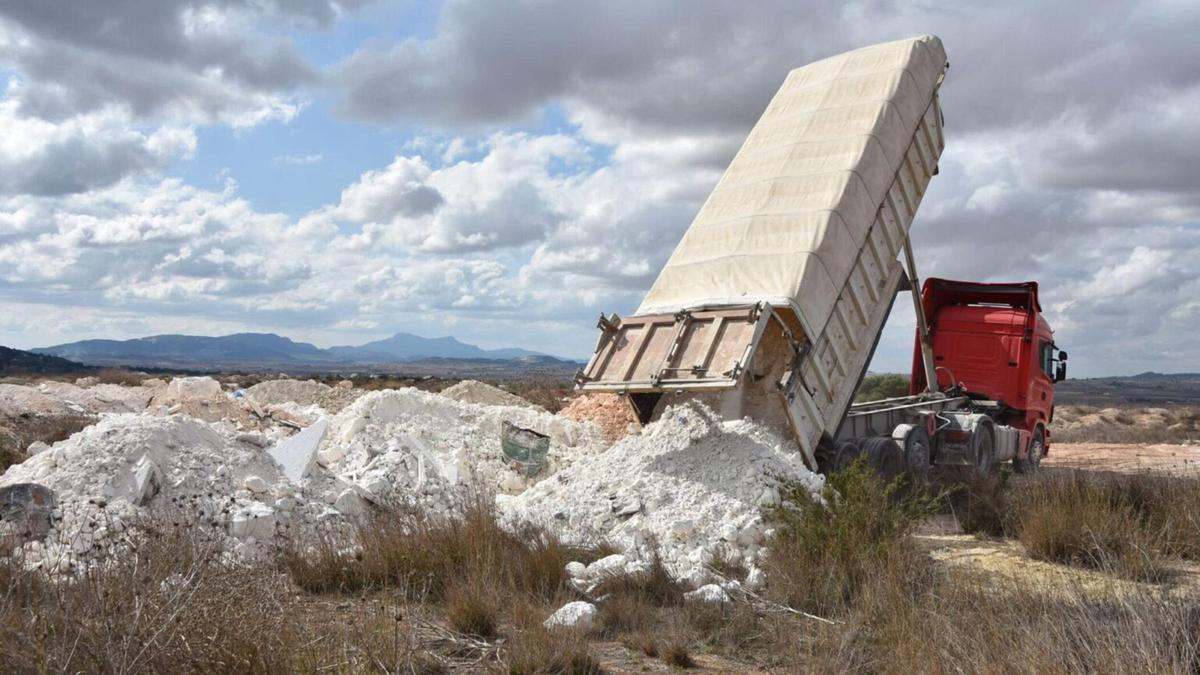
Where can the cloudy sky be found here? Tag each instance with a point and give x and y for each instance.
(503, 172)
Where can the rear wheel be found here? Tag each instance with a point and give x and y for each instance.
(1037, 447)
(847, 452)
(983, 442)
(917, 451)
(884, 456)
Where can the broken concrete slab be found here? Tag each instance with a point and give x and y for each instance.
(298, 454)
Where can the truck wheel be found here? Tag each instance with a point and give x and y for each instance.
(917, 451)
(884, 456)
(846, 453)
(1037, 448)
(983, 442)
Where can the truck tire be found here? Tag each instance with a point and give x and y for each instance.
(847, 452)
(983, 446)
(1037, 448)
(917, 451)
(884, 456)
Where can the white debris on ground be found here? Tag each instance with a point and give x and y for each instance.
(708, 593)
(101, 398)
(412, 447)
(472, 391)
(255, 467)
(104, 475)
(303, 393)
(17, 400)
(690, 485)
(579, 615)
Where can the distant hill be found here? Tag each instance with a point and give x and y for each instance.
(267, 351)
(407, 347)
(1141, 389)
(191, 351)
(18, 362)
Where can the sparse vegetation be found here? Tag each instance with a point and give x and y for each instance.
(1090, 424)
(825, 557)
(431, 596)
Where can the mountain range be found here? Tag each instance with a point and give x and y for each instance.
(260, 351)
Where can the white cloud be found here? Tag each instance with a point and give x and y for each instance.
(297, 160)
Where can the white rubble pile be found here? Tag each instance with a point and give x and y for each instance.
(473, 391)
(18, 400)
(100, 398)
(690, 485)
(212, 474)
(302, 393)
(415, 448)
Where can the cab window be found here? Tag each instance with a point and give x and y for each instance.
(1047, 358)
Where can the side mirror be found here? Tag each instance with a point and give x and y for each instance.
(1062, 356)
(1060, 373)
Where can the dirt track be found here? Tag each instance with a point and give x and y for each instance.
(1126, 458)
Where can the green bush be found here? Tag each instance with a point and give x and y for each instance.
(876, 387)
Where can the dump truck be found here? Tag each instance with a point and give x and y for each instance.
(773, 302)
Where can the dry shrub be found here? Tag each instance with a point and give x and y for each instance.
(532, 648)
(966, 624)
(735, 627)
(421, 555)
(823, 557)
(644, 641)
(981, 504)
(472, 608)
(631, 601)
(910, 615)
(174, 603)
(1092, 522)
(120, 376)
(675, 653)
(547, 392)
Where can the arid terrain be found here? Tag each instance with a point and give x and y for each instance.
(182, 534)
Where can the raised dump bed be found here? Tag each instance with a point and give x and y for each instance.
(778, 291)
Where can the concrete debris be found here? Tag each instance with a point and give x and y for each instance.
(471, 391)
(146, 482)
(579, 615)
(412, 448)
(254, 521)
(298, 454)
(698, 484)
(331, 400)
(708, 593)
(685, 488)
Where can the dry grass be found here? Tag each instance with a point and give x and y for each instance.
(175, 605)
(911, 615)
(825, 556)
(1128, 525)
(1081, 520)
(1090, 424)
(473, 609)
(981, 504)
(421, 556)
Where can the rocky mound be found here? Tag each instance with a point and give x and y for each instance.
(689, 485)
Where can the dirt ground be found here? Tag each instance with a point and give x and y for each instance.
(1126, 458)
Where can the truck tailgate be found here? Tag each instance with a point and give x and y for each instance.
(694, 349)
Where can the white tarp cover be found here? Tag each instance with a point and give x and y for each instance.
(786, 221)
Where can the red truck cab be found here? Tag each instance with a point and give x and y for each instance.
(992, 342)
